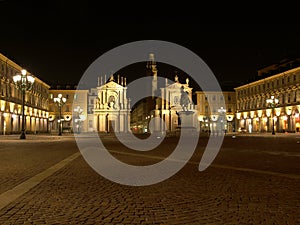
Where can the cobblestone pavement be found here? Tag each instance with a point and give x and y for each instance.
(253, 180)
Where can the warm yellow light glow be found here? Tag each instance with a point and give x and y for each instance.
(289, 111)
(17, 78)
(24, 72)
(229, 117)
(51, 117)
(67, 117)
(214, 117)
(2, 104)
(277, 111)
(200, 118)
(11, 107)
(259, 113)
(30, 79)
(268, 112)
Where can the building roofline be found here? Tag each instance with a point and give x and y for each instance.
(268, 78)
(18, 67)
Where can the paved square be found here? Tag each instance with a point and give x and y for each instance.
(253, 180)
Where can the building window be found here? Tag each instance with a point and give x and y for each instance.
(229, 98)
(214, 98)
(206, 109)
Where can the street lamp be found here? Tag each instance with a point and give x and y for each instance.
(60, 101)
(23, 82)
(272, 102)
(222, 112)
(79, 118)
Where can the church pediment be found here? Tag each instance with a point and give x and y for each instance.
(174, 86)
(111, 84)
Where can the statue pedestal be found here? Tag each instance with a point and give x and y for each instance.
(187, 126)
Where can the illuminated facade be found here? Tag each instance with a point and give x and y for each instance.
(36, 102)
(253, 112)
(213, 118)
(106, 107)
(73, 112)
(111, 112)
(167, 106)
(170, 105)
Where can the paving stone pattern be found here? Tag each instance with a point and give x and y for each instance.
(78, 195)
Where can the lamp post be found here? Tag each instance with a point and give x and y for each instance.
(23, 82)
(79, 118)
(272, 102)
(222, 112)
(60, 101)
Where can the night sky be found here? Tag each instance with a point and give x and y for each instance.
(58, 40)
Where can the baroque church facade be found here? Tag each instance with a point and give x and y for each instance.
(111, 111)
(174, 97)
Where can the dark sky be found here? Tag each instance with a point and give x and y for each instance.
(58, 40)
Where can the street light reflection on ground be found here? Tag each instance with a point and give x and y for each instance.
(24, 82)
